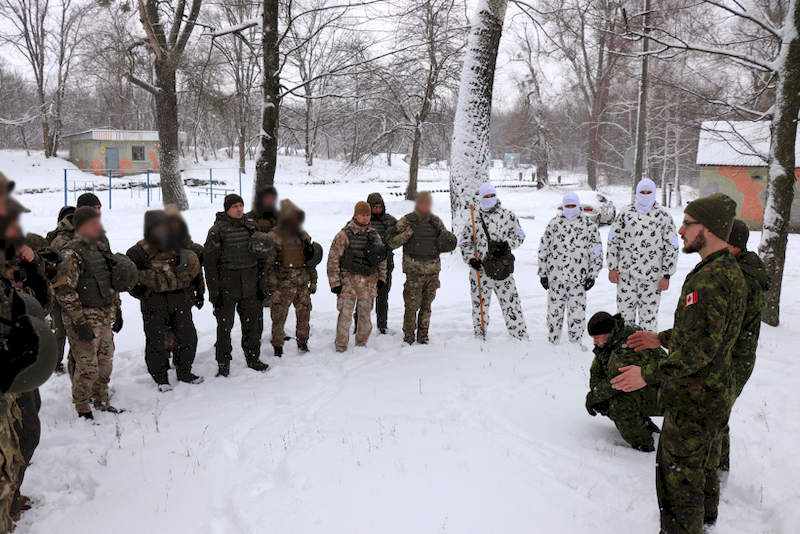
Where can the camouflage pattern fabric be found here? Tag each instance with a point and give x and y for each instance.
(696, 391)
(10, 459)
(292, 288)
(403, 232)
(636, 296)
(340, 244)
(418, 294)
(743, 355)
(355, 288)
(630, 412)
(570, 298)
(503, 225)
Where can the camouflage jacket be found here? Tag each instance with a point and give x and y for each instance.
(29, 277)
(613, 355)
(67, 292)
(570, 251)
(400, 235)
(163, 271)
(340, 243)
(744, 350)
(643, 245)
(695, 377)
(65, 232)
(276, 273)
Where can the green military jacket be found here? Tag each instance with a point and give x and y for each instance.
(696, 376)
(613, 355)
(744, 351)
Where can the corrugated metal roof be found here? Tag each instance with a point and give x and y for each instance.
(107, 134)
(735, 143)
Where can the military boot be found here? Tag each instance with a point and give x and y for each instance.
(302, 347)
(188, 377)
(278, 351)
(86, 415)
(257, 365)
(224, 369)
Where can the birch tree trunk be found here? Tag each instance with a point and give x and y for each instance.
(470, 148)
(781, 177)
(677, 161)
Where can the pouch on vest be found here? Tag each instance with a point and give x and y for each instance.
(499, 262)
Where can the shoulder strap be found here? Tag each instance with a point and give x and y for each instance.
(485, 229)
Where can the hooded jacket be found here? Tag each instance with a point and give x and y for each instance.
(643, 245)
(743, 354)
(570, 250)
(265, 220)
(502, 224)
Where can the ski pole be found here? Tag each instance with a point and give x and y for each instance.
(475, 242)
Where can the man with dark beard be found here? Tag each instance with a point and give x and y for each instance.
(696, 377)
(165, 289)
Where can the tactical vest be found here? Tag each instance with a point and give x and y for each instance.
(354, 259)
(292, 255)
(94, 284)
(380, 226)
(422, 245)
(235, 254)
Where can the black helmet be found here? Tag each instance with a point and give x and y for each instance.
(376, 253)
(313, 252)
(124, 274)
(33, 356)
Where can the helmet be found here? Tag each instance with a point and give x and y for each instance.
(446, 242)
(26, 304)
(313, 254)
(32, 356)
(376, 253)
(124, 273)
(260, 245)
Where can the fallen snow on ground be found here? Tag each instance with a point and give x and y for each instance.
(457, 436)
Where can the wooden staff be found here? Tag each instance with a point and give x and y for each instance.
(477, 271)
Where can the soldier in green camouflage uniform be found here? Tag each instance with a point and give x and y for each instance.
(630, 411)
(91, 311)
(291, 280)
(423, 237)
(696, 376)
(166, 276)
(743, 355)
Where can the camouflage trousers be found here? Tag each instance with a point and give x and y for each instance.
(631, 413)
(507, 297)
(687, 484)
(569, 296)
(361, 289)
(90, 362)
(634, 296)
(29, 430)
(418, 294)
(290, 292)
(10, 459)
(742, 369)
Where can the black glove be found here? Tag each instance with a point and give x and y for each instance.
(475, 263)
(501, 248)
(116, 326)
(545, 282)
(381, 284)
(588, 284)
(85, 332)
(590, 405)
(199, 300)
(336, 290)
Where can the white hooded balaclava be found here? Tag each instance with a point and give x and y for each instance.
(571, 213)
(487, 203)
(644, 202)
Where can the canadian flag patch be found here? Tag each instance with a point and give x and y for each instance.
(691, 298)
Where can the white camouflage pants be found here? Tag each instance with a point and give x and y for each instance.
(570, 296)
(638, 295)
(507, 297)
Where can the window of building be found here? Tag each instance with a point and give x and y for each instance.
(137, 153)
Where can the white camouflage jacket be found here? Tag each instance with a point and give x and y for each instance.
(502, 224)
(570, 251)
(644, 245)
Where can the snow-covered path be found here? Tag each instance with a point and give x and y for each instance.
(456, 436)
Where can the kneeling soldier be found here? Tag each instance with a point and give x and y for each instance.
(630, 411)
(165, 289)
(292, 275)
(423, 237)
(91, 311)
(356, 270)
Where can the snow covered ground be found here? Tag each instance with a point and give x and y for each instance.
(457, 436)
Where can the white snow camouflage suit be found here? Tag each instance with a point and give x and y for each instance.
(503, 225)
(570, 253)
(643, 248)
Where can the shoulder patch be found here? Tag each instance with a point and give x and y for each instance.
(691, 298)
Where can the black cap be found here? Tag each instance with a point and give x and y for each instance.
(600, 323)
(83, 215)
(232, 199)
(66, 211)
(88, 199)
(740, 233)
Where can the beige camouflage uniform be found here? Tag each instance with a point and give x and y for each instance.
(355, 288)
(90, 361)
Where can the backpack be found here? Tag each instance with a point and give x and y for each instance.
(499, 262)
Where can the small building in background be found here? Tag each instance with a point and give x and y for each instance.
(732, 159)
(511, 161)
(120, 151)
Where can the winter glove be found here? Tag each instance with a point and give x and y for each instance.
(116, 326)
(199, 301)
(590, 404)
(588, 284)
(336, 290)
(312, 288)
(381, 284)
(475, 263)
(545, 282)
(501, 249)
(85, 332)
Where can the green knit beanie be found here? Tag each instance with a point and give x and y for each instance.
(715, 212)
